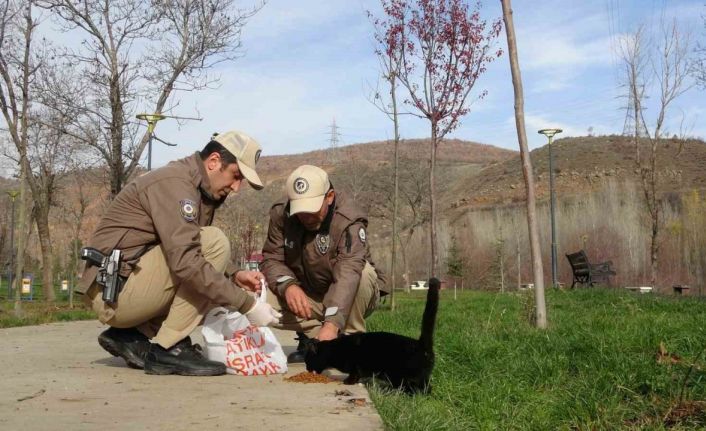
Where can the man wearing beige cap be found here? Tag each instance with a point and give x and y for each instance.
(317, 260)
(175, 265)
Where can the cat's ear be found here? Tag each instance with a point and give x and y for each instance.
(312, 346)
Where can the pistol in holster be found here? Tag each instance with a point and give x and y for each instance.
(108, 271)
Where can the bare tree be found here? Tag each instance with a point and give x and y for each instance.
(445, 48)
(17, 69)
(51, 152)
(195, 35)
(73, 215)
(135, 55)
(699, 64)
(535, 250)
(45, 149)
(243, 216)
(389, 53)
(670, 71)
(413, 203)
(353, 178)
(4, 223)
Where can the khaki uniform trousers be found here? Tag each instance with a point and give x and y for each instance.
(152, 302)
(366, 299)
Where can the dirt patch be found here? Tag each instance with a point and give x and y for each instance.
(691, 412)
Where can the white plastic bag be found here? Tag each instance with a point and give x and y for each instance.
(245, 349)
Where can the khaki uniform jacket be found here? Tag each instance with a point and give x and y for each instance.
(327, 264)
(167, 207)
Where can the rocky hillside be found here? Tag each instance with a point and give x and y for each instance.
(581, 164)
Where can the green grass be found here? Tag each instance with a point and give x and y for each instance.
(39, 312)
(594, 368)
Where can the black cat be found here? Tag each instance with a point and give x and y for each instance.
(404, 362)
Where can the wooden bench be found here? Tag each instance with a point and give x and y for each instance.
(587, 273)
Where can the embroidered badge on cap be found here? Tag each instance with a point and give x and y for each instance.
(188, 209)
(323, 242)
(361, 234)
(301, 185)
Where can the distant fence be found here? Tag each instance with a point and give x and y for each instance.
(37, 292)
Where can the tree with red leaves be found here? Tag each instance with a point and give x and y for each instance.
(444, 48)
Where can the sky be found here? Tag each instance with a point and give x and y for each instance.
(309, 62)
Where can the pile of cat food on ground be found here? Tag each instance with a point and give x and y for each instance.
(307, 377)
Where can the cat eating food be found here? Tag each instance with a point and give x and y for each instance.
(404, 362)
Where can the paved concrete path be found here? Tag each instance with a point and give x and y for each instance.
(57, 377)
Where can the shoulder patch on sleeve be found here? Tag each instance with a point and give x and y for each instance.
(188, 209)
(361, 234)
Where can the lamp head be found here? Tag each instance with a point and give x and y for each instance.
(550, 132)
(150, 118)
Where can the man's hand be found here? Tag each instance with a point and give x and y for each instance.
(249, 280)
(328, 331)
(262, 314)
(297, 301)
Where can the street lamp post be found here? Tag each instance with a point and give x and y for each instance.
(151, 123)
(13, 195)
(549, 133)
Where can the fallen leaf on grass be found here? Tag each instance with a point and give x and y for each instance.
(664, 357)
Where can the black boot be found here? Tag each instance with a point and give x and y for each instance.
(130, 344)
(297, 356)
(183, 358)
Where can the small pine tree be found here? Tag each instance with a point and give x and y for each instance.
(454, 260)
(496, 272)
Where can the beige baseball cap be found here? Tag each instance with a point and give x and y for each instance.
(306, 188)
(246, 150)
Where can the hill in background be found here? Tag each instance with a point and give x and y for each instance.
(374, 154)
(472, 179)
(582, 164)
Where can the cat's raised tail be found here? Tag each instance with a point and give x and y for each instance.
(426, 339)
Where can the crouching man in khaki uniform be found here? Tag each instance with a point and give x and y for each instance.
(317, 260)
(176, 266)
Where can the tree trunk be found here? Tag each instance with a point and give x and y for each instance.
(21, 223)
(43, 232)
(536, 253)
(395, 203)
(116, 136)
(405, 266)
(3, 238)
(654, 248)
(74, 271)
(432, 198)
